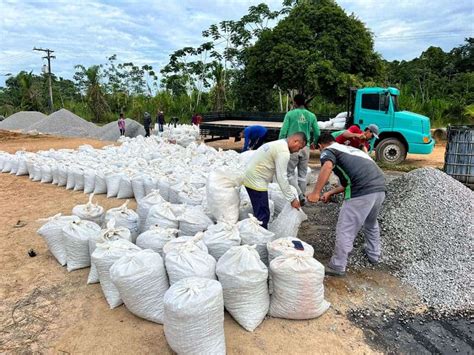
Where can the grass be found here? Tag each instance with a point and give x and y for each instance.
(404, 168)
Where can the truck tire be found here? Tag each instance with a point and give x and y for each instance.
(390, 151)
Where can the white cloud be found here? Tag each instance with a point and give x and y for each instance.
(147, 32)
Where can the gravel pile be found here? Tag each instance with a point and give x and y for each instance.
(427, 237)
(22, 120)
(65, 123)
(110, 131)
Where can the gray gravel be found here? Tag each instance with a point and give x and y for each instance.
(110, 131)
(427, 236)
(22, 120)
(65, 123)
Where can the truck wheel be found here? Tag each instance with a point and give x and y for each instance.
(390, 151)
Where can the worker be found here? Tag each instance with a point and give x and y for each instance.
(363, 184)
(147, 123)
(271, 159)
(160, 120)
(254, 137)
(121, 124)
(300, 120)
(354, 137)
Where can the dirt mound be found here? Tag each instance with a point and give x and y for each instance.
(22, 120)
(110, 132)
(65, 123)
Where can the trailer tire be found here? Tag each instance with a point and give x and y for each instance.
(390, 151)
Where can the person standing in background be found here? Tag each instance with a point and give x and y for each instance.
(146, 124)
(160, 120)
(300, 120)
(121, 124)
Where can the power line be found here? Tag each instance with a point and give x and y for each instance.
(48, 57)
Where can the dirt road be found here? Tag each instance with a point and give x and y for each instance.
(46, 309)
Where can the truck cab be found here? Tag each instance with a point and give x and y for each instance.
(401, 132)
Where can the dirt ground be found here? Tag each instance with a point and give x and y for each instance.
(45, 309)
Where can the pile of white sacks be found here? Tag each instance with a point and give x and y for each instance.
(338, 122)
(190, 249)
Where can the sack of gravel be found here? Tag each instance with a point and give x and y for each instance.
(252, 233)
(52, 232)
(124, 217)
(111, 232)
(76, 236)
(194, 317)
(103, 258)
(243, 277)
(288, 222)
(284, 246)
(156, 237)
(142, 282)
(144, 205)
(298, 289)
(90, 211)
(221, 237)
(223, 196)
(177, 242)
(193, 220)
(163, 215)
(188, 260)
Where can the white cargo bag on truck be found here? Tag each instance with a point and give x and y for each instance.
(283, 246)
(177, 242)
(252, 233)
(141, 281)
(188, 260)
(156, 238)
(90, 211)
(52, 232)
(194, 317)
(221, 237)
(223, 197)
(243, 277)
(288, 222)
(104, 255)
(124, 217)
(76, 236)
(298, 289)
(111, 232)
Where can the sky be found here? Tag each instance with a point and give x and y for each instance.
(146, 32)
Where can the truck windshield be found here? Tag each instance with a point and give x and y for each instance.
(395, 103)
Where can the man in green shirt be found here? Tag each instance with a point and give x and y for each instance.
(300, 120)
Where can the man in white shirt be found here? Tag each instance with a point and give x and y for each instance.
(269, 160)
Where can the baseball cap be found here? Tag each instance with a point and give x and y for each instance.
(374, 129)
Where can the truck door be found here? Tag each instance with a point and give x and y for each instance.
(373, 109)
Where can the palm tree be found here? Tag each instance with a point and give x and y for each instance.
(29, 91)
(89, 82)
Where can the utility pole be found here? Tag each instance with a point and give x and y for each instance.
(48, 57)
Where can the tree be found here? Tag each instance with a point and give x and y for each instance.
(89, 83)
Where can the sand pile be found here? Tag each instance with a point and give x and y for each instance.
(65, 123)
(22, 120)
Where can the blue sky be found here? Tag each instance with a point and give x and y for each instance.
(146, 32)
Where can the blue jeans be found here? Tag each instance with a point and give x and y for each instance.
(261, 208)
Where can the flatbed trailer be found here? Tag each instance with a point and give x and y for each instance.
(225, 125)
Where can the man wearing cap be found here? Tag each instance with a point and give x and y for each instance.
(354, 136)
(254, 137)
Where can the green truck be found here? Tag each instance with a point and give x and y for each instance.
(401, 132)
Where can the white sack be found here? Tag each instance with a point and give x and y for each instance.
(177, 242)
(288, 222)
(141, 281)
(298, 289)
(194, 317)
(252, 233)
(113, 183)
(100, 186)
(222, 191)
(244, 281)
(76, 236)
(125, 187)
(284, 246)
(89, 181)
(221, 237)
(138, 188)
(156, 238)
(103, 257)
(52, 232)
(193, 220)
(144, 205)
(124, 217)
(90, 211)
(162, 215)
(188, 260)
